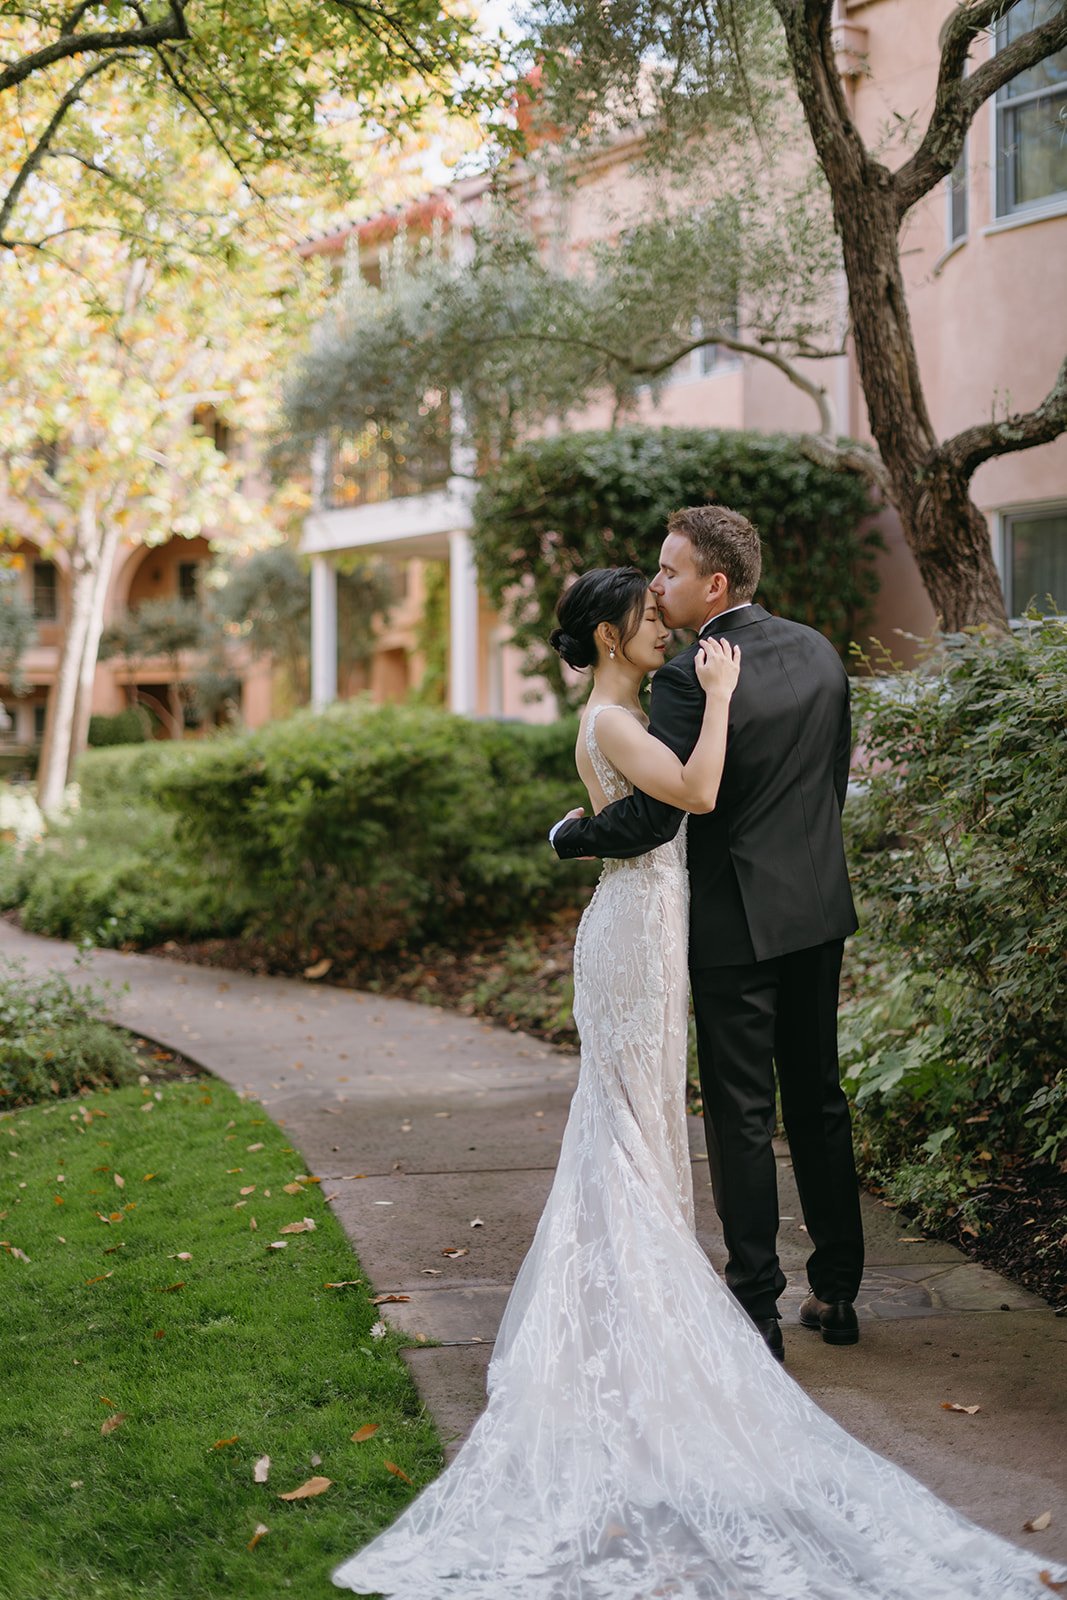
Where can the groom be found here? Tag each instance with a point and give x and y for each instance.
(770, 910)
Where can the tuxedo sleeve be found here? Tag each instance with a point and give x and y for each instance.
(636, 824)
(843, 751)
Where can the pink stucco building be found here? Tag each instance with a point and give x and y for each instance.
(985, 259)
(172, 571)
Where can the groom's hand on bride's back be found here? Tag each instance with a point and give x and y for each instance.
(579, 811)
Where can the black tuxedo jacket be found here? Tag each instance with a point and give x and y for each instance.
(767, 867)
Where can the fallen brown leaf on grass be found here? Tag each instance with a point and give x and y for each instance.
(109, 1424)
(172, 1286)
(261, 1533)
(120, 1182)
(252, 1147)
(292, 1188)
(181, 1255)
(954, 1405)
(389, 1299)
(368, 1430)
(100, 1277)
(159, 1334)
(106, 1400)
(253, 1225)
(306, 1226)
(220, 1444)
(249, 1188)
(308, 1490)
(391, 1466)
(19, 1255)
(148, 1177)
(1038, 1524)
(278, 1244)
(261, 1470)
(345, 1283)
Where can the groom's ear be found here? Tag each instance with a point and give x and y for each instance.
(718, 588)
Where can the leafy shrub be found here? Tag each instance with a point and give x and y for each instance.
(114, 872)
(558, 506)
(131, 726)
(368, 829)
(954, 1044)
(55, 1041)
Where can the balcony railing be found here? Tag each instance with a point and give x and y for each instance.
(381, 462)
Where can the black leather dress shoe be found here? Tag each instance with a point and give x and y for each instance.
(771, 1333)
(834, 1319)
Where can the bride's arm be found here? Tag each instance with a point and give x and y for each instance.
(656, 770)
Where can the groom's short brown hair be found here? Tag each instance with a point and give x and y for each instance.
(723, 541)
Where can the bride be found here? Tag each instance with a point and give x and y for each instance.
(640, 1439)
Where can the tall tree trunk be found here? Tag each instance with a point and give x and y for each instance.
(91, 646)
(944, 528)
(59, 720)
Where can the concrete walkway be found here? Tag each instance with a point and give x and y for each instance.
(421, 1122)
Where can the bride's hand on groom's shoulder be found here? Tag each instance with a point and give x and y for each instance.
(717, 664)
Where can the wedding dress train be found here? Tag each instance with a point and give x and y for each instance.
(639, 1440)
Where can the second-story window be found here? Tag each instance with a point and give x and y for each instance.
(189, 582)
(956, 183)
(1031, 113)
(45, 592)
(1035, 560)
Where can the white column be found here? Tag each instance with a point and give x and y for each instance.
(462, 625)
(323, 632)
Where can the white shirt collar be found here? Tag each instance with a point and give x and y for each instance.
(719, 614)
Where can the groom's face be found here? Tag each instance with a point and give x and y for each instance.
(685, 595)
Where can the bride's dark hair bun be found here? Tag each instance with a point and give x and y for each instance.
(607, 594)
(572, 650)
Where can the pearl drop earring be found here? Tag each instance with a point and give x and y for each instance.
(611, 653)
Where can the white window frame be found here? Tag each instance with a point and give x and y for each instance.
(1006, 215)
(1002, 544)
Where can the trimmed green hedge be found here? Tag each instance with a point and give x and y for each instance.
(559, 506)
(132, 726)
(360, 831)
(366, 829)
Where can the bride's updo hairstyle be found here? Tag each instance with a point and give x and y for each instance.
(607, 594)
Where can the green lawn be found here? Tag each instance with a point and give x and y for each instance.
(239, 1352)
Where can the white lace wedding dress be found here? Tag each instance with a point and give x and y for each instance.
(639, 1440)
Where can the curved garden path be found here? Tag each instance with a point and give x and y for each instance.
(421, 1122)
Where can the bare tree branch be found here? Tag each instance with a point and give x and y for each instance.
(958, 98)
(74, 44)
(966, 451)
(815, 391)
